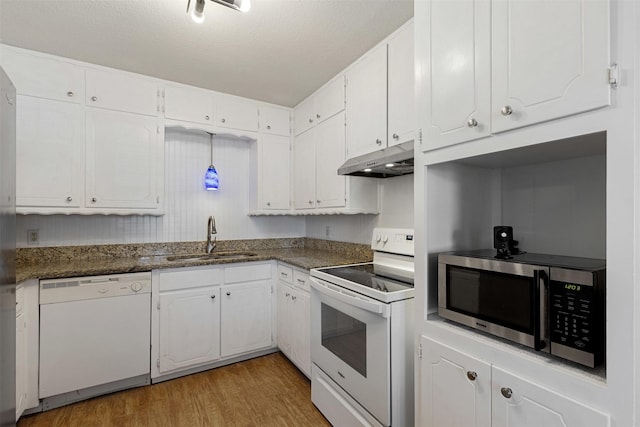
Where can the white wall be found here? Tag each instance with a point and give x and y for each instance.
(188, 205)
(396, 211)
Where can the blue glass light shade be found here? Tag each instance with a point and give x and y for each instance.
(211, 180)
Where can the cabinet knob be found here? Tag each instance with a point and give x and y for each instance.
(213, 297)
(310, 120)
(396, 136)
(268, 127)
(94, 98)
(293, 297)
(93, 200)
(268, 203)
(506, 392)
(506, 110)
(69, 199)
(223, 120)
(378, 141)
(317, 116)
(228, 293)
(206, 117)
(287, 294)
(318, 201)
(472, 123)
(70, 93)
(310, 202)
(472, 375)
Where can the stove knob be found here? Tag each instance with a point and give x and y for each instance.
(136, 287)
(385, 239)
(378, 238)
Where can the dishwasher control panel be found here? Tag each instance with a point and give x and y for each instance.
(90, 287)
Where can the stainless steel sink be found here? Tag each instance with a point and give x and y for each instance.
(211, 256)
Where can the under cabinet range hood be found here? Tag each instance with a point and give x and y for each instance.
(391, 161)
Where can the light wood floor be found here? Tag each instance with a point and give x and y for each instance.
(266, 391)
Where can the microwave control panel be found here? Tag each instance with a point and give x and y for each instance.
(573, 315)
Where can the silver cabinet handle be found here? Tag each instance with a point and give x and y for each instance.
(69, 199)
(213, 297)
(93, 200)
(223, 120)
(70, 93)
(228, 293)
(310, 120)
(293, 297)
(506, 392)
(287, 294)
(378, 141)
(282, 273)
(269, 127)
(317, 116)
(472, 123)
(396, 136)
(206, 117)
(506, 110)
(472, 375)
(94, 98)
(301, 281)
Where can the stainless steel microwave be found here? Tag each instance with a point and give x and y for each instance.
(553, 304)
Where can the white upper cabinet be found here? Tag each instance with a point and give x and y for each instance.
(330, 149)
(124, 158)
(489, 66)
(275, 178)
(325, 103)
(367, 103)
(304, 170)
(275, 120)
(236, 113)
(401, 88)
(188, 104)
(454, 42)
(44, 77)
(549, 60)
(49, 153)
(120, 91)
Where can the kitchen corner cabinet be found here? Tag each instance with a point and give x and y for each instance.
(204, 315)
(367, 103)
(322, 105)
(458, 389)
(293, 318)
(516, 64)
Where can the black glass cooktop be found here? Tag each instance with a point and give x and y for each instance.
(365, 275)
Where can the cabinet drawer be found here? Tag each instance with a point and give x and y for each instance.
(183, 278)
(247, 273)
(285, 273)
(301, 279)
(123, 92)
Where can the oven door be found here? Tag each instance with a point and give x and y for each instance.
(350, 342)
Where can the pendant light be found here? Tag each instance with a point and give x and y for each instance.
(211, 180)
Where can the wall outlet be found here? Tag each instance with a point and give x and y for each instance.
(327, 231)
(33, 237)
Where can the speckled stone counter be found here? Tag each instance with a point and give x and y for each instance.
(70, 261)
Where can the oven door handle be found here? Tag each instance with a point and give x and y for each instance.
(351, 298)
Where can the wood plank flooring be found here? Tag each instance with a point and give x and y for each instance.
(266, 391)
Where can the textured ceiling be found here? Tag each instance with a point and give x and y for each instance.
(280, 51)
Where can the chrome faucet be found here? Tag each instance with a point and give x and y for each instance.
(211, 230)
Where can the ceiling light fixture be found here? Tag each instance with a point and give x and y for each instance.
(195, 8)
(211, 180)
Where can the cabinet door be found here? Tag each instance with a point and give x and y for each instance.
(189, 328)
(124, 157)
(275, 121)
(236, 113)
(330, 148)
(44, 77)
(367, 104)
(49, 151)
(549, 60)
(245, 317)
(329, 100)
(454, 62)
(456, 388)
(304, 170)
(304, 116)
(401, 102)
(519, 403)
(121, 91)
(21, 365)
(275, 166)
(300, 330)
(284, 318)
(188, 104)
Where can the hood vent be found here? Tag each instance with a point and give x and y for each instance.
(386, 163)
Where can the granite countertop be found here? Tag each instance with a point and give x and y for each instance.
(72, 261)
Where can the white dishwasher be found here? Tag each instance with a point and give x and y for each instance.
(94, 331)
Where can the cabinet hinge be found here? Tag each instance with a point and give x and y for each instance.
(158, 305)
(420, 351)
(420, 136)
(158, 130)
(158, 363)
(614, 76)
(158, 200)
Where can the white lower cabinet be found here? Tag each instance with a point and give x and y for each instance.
(294, 318)
(21, 366)
(204, 315)
(27, 332)
(461, 390)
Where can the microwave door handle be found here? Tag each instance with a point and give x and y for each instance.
(541, 316)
